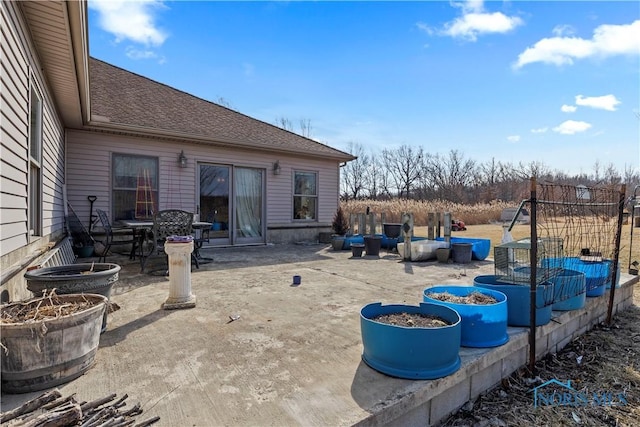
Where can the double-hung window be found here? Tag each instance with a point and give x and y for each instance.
(305, 196)
(35, 163)
(134, 186)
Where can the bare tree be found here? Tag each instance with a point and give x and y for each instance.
(287, 124)
(354, 173)
(404, 164)
(284, 123)
(224, 102)
(305, 127)
(378, 178)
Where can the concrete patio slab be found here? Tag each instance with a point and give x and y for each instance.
(293, 356)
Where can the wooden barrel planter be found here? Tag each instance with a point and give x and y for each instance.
(94, 278)
(53, 350)
(411, 352)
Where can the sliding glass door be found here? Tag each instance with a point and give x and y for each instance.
(214, 203)
(232, 199)
(249, 205)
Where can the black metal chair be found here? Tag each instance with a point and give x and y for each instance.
(109, 237)
(169, 222)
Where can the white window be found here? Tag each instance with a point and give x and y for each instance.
(35, 163)
(305, 196)
(134, 186)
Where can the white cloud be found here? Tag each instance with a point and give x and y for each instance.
(568, 108)
(513, 138)
(130, 20)
(571, 127)
(540, 130)
(474, 22)
(606, 102)
(563, 30)
(134, 53)
(607, 40)
(137, 54)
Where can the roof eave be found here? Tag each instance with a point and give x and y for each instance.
(78, 25)
(219, 142)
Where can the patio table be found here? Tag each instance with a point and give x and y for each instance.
(141, 228)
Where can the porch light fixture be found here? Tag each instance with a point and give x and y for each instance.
(276, 167)
(182, 160)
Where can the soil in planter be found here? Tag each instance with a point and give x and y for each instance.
(473, 298)
(45, 308)
(411, 320)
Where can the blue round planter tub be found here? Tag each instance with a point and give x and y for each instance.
(597, 273)
(570, 290)
(617, 279)
(411, 352)
(483, 325)
(518, 299)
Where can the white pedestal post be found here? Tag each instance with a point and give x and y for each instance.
(180, 295)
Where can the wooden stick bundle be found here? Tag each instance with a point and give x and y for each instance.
(50, 409)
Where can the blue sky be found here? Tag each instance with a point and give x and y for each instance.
(555, 81)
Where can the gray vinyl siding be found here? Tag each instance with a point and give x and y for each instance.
(16, 63)
(89, 173)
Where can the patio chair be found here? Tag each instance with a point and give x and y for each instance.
(109, 240)
(169, 222)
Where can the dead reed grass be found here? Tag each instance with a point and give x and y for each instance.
(483, 213)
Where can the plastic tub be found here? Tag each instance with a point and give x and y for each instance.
(408, 352)
(597, 273)
(570, 290)
(518, 299)
(483, 325)
(423, 250)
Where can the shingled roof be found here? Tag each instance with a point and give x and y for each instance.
(122, 99)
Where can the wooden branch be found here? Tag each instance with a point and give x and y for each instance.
(68, 417)
(60, 401)
(98, 402)
(31, 405)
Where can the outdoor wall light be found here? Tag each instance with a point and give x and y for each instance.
(276, 167)
(182, 160)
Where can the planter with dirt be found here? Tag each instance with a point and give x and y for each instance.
(483, 312)
(94, 278)
(413, 342)
(49, 340)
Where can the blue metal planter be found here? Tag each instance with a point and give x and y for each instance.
(411, 352)
(518, 299)
(482, 325)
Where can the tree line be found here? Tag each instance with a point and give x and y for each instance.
(410, 172)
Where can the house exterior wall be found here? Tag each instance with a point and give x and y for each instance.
(19, 66)
(89, 173)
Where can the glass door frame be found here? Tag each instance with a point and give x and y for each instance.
(213, 240)
(233, 238)
(236, 239)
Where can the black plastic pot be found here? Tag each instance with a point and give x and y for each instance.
(357, 249)
(372, 245)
